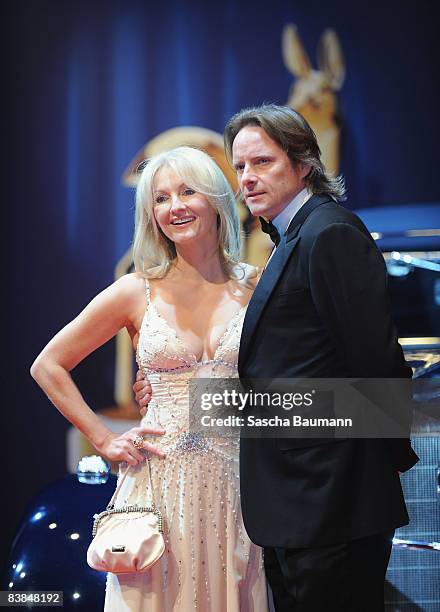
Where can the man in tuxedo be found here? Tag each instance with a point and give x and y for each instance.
(324, 510)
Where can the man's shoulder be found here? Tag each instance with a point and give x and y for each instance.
(331, 213)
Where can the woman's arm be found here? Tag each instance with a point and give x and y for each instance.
(114, 308)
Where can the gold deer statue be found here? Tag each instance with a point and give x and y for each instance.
(313, 91)
(313, 95)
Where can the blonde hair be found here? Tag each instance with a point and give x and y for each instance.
(153, 252)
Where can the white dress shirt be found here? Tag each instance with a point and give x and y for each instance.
(282, 221)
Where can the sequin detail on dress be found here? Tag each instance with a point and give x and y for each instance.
(209, 564)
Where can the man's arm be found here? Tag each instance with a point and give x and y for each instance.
(348, 283)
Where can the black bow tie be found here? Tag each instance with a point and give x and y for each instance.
(269, 228)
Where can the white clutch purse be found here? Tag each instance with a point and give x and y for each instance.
(128, 539)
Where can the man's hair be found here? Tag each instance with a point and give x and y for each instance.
(153, 252)
(294, 135)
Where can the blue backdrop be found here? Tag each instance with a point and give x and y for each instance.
(89, 83)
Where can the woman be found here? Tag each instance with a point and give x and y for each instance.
(183, 308)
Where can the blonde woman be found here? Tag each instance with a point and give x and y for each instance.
(183, 308)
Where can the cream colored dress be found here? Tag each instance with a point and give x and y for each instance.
(209, 564)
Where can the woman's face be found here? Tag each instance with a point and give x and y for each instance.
(181, 213)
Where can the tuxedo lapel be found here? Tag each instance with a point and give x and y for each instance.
(273, 272)
(264, 289)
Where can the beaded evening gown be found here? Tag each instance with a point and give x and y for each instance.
(209, 564)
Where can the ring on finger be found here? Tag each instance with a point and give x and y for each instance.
(138, 442)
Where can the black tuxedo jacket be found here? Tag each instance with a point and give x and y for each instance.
(321, 310)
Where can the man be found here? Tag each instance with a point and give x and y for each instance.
(324, 510)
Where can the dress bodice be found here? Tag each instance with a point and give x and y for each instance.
(163, 357)
(161, 350)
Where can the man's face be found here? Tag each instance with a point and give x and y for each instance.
(266, 177)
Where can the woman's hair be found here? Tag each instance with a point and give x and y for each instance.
(294, 135)
(153, 252)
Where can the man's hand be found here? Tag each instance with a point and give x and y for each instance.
(142, 392)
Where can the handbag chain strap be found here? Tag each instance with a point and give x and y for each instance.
(110, 510)
(111, 503)
(98, 517)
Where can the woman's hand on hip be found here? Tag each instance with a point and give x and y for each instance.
(120, 447)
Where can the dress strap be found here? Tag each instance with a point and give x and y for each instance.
(147, 291)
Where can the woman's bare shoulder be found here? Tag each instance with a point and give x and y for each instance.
(131, 295)
(134, 281)
(129, 289)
